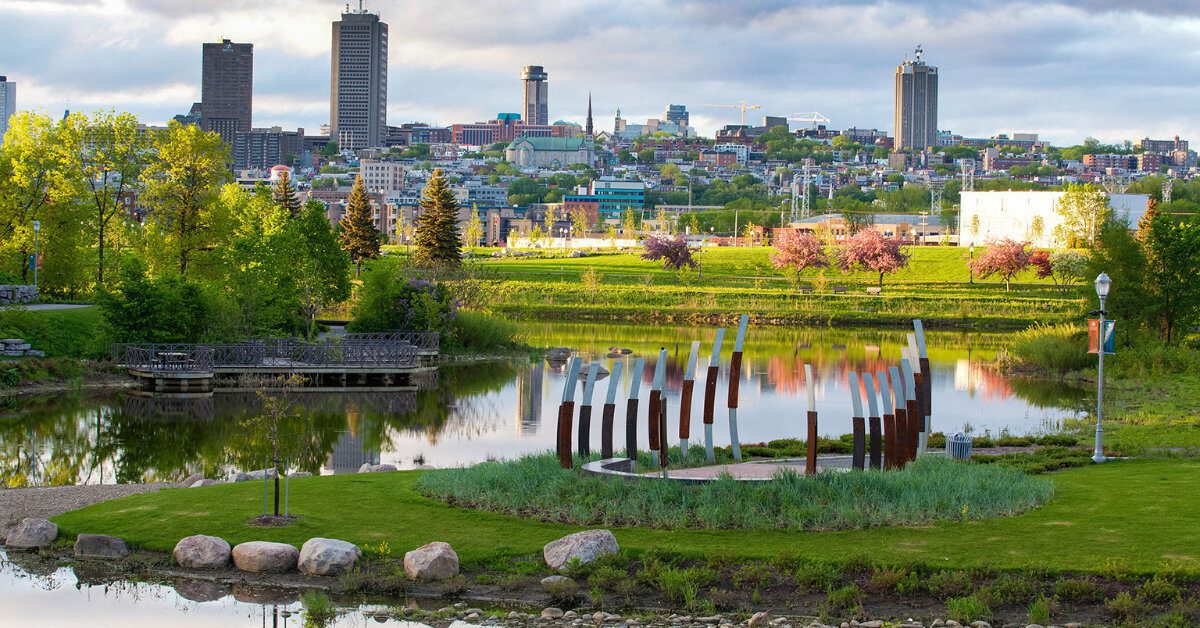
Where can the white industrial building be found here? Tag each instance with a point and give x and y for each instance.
(1012, 215)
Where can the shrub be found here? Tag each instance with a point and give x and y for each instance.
(163, 309)
(815, 576)
(389, 300)
(752, 576)
(607, 577)
(1058, 348)
(1081, 590)
(1125, 607)
(1159, 590)
(886, 578)
(842, 602)
(1040, 610)
(1008, 589)
(318, 609)
(967, 609)
(682, 586)
(949, 583)
(477, 331)
(563, 592)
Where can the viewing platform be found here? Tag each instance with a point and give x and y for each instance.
(382, 361)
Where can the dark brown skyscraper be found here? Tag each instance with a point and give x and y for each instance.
(227, 88)
(537, 93)
(916, 104)
(358, 81)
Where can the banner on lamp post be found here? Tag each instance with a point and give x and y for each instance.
(1110, 344)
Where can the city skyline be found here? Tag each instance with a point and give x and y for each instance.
(1050, 69)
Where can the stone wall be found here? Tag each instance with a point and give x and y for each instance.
(16, 295)
(17, 348)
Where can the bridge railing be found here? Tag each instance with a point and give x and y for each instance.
(169, 358)
(359, 351)
(422, 340)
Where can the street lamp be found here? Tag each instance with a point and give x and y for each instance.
(1102, 285)
(37, 229)
(971, 266)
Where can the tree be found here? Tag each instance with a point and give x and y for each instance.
(611, 234)
(284, 194)
(1037, 228)
(579, 221)
(437, 225)
(319, 264)
(182, 185)
(549, 219)
(105, 154)
(974, 228)
(798, 250)
(1172, 249)
(858, 221)
(870, 251)
(1007, 258)
(1085, 212)
(474, 228)
(278, 396)
(591, 281)
(330, 149)
(1064, 268)
(359, 236)
(629, 225)
(672, 250)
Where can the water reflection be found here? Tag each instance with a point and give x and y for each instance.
(505, 409)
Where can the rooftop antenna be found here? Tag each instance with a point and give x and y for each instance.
(919, 52)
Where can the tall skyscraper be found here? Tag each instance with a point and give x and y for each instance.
(358, 81)
(227, 88)
(587, 128)
(8, 104)
(537, 94)
(916, 104)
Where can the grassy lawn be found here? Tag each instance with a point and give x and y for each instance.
(60, 333)
(1133, 514)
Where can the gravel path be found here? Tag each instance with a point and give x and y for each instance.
(47, 501)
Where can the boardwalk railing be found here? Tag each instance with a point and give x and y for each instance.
(422, 340)
(358, 350)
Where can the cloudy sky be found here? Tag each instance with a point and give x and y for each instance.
(1110, 69)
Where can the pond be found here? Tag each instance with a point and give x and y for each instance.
(508, 408)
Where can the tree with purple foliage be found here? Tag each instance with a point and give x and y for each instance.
(1006, 258)
(672, 250)
(798, 250)
(870, 251)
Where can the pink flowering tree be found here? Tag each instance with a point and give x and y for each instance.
(797, 250)
(870, 251)
(1006, 258)
(672, 250)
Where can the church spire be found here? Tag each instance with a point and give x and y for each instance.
(588, 128)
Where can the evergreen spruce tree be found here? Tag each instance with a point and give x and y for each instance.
(437, 238)
(359, 235)
(284, 194)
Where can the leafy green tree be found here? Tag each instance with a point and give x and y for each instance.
(579, 222)
(284, 194)
(258, 279)
(319, 263)
(591, 281)
(359, 235)
(629, 225)
(474, 228)
(105, 155)
(1172, 248)
(330, 149)
(1121, 256)
(182, 186)
(165, 309)
(437, 237)
(1085, 212)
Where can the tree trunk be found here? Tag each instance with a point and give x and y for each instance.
(881, 281)
(100, 254)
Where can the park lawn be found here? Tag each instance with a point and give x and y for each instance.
(1137, 515)
(74, 332)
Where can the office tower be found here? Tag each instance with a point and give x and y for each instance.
(8, 104)
(536, 95)
(358, 81)
(587, 129)
(226, 88)
(916, 104)
(677, 115)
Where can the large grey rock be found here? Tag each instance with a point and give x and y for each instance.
(326, 557)
(100, 546)
(202, 552)
(435, 561)
(191, 479)
(265, 557)
(376, 468)
(32, 533)
(203, 482)
(587, 546)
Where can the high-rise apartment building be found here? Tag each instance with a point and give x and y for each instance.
(227, 88)
(358, 81)
(8, 104)
(677, 115)
(537, 94)
(916, 104)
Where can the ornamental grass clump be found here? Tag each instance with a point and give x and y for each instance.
(929, 489)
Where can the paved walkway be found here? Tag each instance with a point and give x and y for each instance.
(761, 469)
(49, 306)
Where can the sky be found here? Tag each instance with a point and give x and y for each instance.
(1115, 70)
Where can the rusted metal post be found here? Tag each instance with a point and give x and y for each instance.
(859, 446)
(914, 412)
(585, 410)
(662, 433)
(710, 394)
(926, 390)
(874, 444)
(901, 413)
(685, 399)
(635, 387)
(889, 421)
(655, 407)
(810, 462)
(610, 410)
(566, 414)
(735, 380)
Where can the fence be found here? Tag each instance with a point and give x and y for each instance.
(358, 350)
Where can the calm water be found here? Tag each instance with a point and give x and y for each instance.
(505, 409)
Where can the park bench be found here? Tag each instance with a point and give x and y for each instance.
(804, 289)
(840, 289)
(874, 290)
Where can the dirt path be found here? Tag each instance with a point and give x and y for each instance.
(47, 501)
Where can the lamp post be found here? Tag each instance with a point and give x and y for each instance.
(971, 266)
(37, 229)
(1102, 285)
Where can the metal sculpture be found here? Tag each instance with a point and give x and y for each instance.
(685, 399)
(810, 463)
(710, 394)
(874, 423)
(652, 412)
(900, 412)
(585, 410)
(926, 391)
(858, 425)
(566, 413)
(735, 378)
(635, 384)
(914, 414)
(889, 420)
(610, 409)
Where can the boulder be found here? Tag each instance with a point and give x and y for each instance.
(203, 482)
(100, 546)
(550, 581)
(265, 557)
(435, 561)
(202, 552)
(200, 590)
(299, 474)
(260, 473)
(32, 533)
(376, 468)
(586, 546)
(240, 476)
(558, 354)
(326, 557)
(192, 479)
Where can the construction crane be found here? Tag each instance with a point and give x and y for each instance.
(812, 117)
(743, 105)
